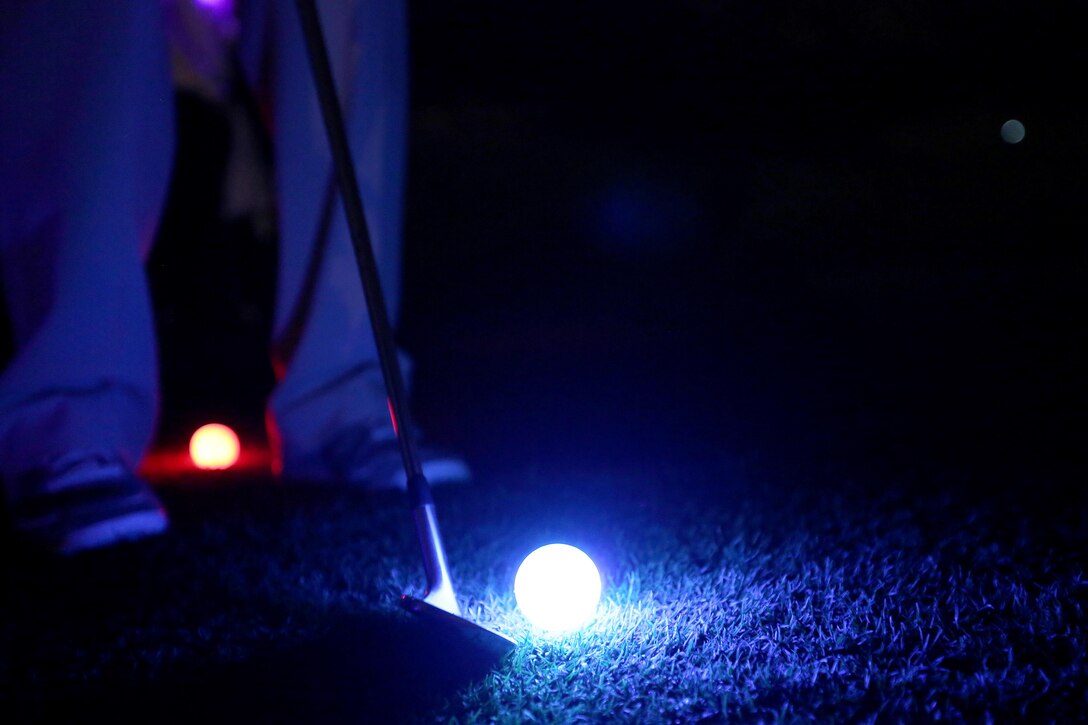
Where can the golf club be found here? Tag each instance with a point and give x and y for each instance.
(439, 605)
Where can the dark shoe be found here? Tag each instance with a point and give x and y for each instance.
(84, 503)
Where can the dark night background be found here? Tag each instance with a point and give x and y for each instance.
(646, 231)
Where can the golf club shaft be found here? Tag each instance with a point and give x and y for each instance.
(419, 492)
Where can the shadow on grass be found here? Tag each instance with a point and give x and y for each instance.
(379, 667)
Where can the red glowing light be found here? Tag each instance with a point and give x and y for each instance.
(392, 417)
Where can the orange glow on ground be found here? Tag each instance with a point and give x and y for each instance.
(214, 446)
(171, 465)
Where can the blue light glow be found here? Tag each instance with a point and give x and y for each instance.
(557, 588)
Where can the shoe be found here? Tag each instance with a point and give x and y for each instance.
(360, 457)
(84, 503)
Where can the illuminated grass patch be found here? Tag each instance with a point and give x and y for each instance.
(815, 609)
(758, 605)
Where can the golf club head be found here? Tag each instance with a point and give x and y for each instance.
(459, 632)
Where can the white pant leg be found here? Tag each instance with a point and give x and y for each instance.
(86, 138)
(327, 361)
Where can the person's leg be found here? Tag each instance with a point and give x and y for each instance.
(328, 419)
(325, 355)
(86, 136)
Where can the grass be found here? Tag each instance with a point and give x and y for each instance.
(810, 608)
(745, 601)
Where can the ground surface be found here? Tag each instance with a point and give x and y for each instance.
(749, 301)
(729, 594)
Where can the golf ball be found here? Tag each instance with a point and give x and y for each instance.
(557, 588)
(214, 446)
(1012, 131)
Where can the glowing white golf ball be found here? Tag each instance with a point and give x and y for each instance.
(1012, 131)
(214, 446)
(557, 588)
